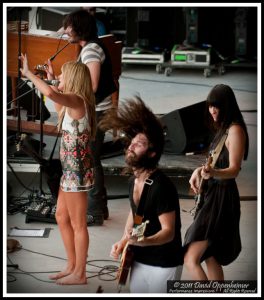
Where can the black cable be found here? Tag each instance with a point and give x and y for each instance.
(110, 269)
(18, 87)
(107, 270)
(17, 206)
(29, 91)
(11, 278)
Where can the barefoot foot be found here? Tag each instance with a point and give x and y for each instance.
(71, 280)
(59, 275)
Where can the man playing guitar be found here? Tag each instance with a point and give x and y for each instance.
(158, 254)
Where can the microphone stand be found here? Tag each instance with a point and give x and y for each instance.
(19, 76)
(41, 143)
(41, 129)
(53, 56)
(41, 193)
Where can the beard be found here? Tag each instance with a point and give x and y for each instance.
(74, 39)
(135, 161)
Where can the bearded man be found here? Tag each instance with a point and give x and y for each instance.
(158, 256)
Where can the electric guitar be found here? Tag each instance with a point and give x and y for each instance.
(127, 254)
(199, 198)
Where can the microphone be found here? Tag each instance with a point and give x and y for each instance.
(53, 82)
(53, 56)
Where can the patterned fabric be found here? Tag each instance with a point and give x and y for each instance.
(75, 156)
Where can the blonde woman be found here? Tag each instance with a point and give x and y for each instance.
(75, 104)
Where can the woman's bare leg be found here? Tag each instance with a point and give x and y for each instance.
(192, 260)
(214, 269)
(77, 208)
(66, 231)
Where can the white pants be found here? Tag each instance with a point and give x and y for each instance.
(152, 279)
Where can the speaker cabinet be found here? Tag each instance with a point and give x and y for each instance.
(185, 130)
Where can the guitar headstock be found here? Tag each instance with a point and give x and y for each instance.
(210, 157)
(139, 230)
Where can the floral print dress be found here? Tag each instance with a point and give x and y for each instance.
(75, 155)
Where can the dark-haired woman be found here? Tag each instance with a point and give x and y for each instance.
(214, 235)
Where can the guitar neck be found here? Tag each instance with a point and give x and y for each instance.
(128, 255)
(207, 165)
(201, 185)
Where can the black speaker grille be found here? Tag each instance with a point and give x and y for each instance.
(200, 58)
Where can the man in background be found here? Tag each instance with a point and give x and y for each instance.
(101, 30)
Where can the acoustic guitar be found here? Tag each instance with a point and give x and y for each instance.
(128, 255)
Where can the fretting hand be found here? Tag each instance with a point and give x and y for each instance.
(206, 172)
(195, 180)
(117, 249)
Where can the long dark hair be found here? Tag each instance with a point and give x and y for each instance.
(82, 23)
(132, 117)
(222, 97)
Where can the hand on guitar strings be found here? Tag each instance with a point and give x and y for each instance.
(117, 249)
(195, 180)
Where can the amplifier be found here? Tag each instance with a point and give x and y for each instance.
(131, 55)
(199, 58)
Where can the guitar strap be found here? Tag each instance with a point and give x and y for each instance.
(144, 195)
(218, 148)
(128, 254)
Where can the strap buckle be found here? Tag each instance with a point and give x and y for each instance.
(148, 181)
